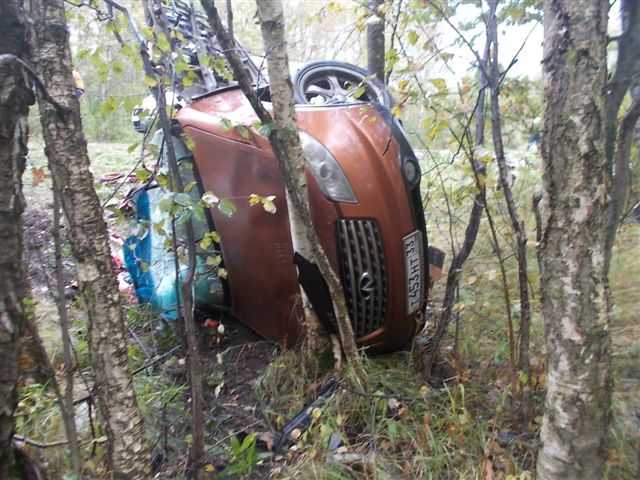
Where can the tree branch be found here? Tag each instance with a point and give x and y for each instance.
(10, 58)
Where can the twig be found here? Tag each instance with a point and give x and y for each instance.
(393, 37)
(68, 414)
(10, 58)
(481, 65)
(59, 443)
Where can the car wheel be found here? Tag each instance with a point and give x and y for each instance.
(331, 83)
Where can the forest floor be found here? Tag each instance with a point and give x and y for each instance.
(391, 425)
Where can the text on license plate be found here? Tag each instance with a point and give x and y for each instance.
(414, 270)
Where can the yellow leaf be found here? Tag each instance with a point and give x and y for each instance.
(150, 81)
(254, 199)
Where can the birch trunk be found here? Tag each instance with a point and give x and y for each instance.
(375, 40)
(575, 304)
(66, 149)
(285, 143)
(288, 150)
(517, 225)
(15, 98)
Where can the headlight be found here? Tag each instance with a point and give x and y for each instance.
(411, 171)
(326, 170)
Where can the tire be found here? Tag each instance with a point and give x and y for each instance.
(331, 83)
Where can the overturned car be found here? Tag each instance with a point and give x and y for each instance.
(364, 192)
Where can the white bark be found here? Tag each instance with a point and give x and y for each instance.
(575, 306)
(66, 149)
(291, 158)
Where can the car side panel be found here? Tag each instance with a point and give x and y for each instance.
(256, 247)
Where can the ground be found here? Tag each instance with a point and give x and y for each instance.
(390, 425)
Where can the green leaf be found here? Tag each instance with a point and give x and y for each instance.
(158, 228)
(188, 141)
(147, 32)
(143, 174)
(243, 132)
(360, 91)
(183, 217)
(163, 180)
(235, 444)
(166, 203)
(190, 186)
(266, 129)
(227, 207)
(269, 206)
(214, 261)
(226, 124)
(440, 84)
(181, 65)
(110, 105)
(132, 147)
(198, 213)
(117, 66)
(205, 243)
(150, 81)
(248, 441)
(413, 37)
(182, 199)
(163, 43)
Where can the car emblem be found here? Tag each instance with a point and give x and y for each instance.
(366, 285)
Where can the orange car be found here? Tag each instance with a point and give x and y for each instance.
(364, 191)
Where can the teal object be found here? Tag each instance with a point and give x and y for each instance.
(151, 262)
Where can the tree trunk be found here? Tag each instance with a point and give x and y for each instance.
(285, 142)
(66, 400)
(618, 136)
(375, 40)
(15, 98)
(288, 150)
(66, 149)
(517, 226)
(575, 304)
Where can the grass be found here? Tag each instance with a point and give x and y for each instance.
(392, 425)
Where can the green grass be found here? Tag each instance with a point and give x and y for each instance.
(393, 425)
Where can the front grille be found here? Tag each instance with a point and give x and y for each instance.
(364, 276)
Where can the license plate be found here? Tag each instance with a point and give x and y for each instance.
(414, 270)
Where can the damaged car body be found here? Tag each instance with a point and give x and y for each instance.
(363, 183)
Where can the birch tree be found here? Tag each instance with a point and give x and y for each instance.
(15, 98)
(573, 249)
(66, 149)
(375, 39)
(286, 146)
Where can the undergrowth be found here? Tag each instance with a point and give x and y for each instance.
(392, 425)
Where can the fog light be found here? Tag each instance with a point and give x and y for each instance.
(411, 171)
